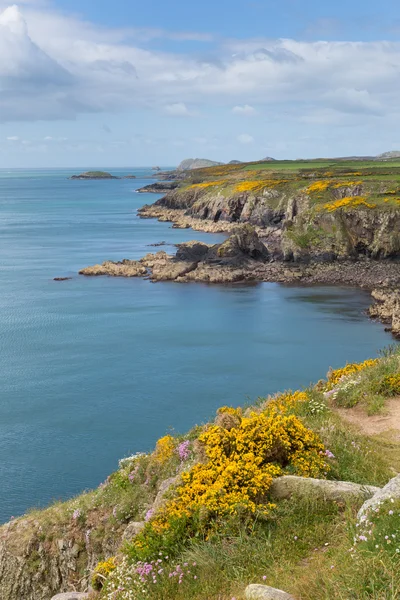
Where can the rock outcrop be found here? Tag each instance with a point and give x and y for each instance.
(236, 259)
(264, 592)
(387, 307)
(125, 268)
(337, 491)
(71, 596)
(159, 187)
(391, 491)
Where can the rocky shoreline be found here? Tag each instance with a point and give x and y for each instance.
(244, 258)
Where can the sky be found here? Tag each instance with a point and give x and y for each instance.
(96, 83)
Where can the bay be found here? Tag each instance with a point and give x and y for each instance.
(93, 369)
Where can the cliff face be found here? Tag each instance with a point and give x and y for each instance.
(41, 557)
(292, 221)
(387, 307)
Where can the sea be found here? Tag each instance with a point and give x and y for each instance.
(95, 369)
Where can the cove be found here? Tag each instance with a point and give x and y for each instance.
(95, 369)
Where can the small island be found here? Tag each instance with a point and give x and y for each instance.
(94, 175)
(100, 175)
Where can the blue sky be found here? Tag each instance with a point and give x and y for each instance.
(85, 83)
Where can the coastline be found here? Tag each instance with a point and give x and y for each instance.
(243, 258)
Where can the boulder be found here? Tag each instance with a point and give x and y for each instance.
(192, 251)
(264, 592)
(243, 244)
(163, 490)
(71, 596)
(337, 491)
(132, 530)
(390, 491)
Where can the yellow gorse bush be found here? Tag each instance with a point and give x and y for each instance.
(257, 185)
(341, 184)
(240, 464)
(102, 571)
(390, 386)
(348, 202)
(206, 184)
(350, 369)
(319, 186)
(164, 449)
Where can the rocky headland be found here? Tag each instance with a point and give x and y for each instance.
(313, 224)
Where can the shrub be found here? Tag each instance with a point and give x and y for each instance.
(235, 478)
(102, 571)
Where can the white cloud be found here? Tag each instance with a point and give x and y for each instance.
(178, 109)
(54, 66)
(13, 138)
(246, 109)
(245, 138)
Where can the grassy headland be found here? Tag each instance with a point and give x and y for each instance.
(321, 208)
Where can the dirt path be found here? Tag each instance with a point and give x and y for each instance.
(389, 422)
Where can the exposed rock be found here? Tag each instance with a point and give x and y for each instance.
(158, 244)
(391, 490)
(387, 307)
(71, 596)
(132, 530)
(192, 251)
(264, 592)
(62, 278)
(94, 175)
(165, 487)
(237, 259)
(159, 188)
(33, 570)
(242, 244)
(125, 268)
(338, 491)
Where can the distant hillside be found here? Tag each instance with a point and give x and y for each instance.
(197, 163)
(389, 155)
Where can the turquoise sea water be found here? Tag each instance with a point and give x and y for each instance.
(93, 369)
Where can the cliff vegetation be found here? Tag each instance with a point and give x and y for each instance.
(209, 512)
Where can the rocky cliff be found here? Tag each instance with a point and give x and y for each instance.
(326, 219)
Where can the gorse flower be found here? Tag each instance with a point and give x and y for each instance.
(241, 463)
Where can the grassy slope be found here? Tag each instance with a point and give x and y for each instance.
(380, 181)
(302, 547)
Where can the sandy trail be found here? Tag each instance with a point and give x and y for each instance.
(376, 424)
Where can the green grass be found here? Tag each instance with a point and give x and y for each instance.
(367, 387)
(304, 545)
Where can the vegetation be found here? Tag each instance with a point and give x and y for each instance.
(219, 529)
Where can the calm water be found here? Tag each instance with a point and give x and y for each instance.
(94, 369)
